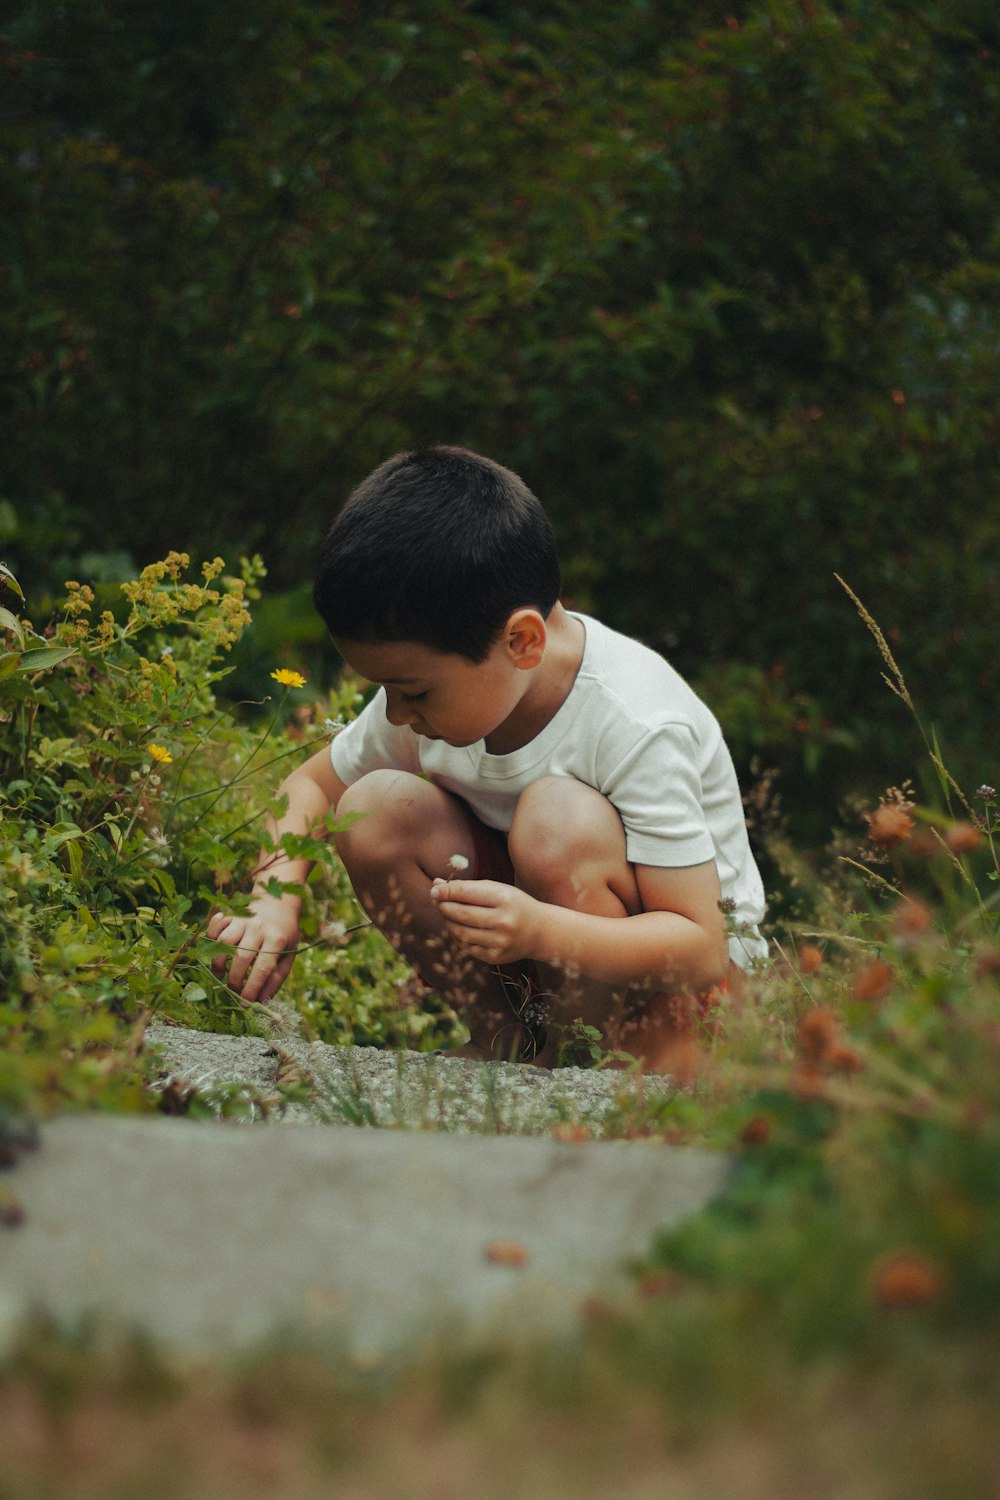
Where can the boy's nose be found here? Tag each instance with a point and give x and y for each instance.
(398, 713)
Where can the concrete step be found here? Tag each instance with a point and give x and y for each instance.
(366, 1085)
(218, 1238)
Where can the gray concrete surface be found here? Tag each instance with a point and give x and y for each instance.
(216, 1238)
(363, 1085)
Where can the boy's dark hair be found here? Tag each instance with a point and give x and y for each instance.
(438, 546)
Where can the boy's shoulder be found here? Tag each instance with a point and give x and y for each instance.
(638, 679)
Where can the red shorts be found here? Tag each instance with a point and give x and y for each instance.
(489, 848)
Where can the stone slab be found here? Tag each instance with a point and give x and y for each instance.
(365, 1085)
(216, 1238)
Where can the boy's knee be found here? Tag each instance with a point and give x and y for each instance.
(565, 836)
(386, 814)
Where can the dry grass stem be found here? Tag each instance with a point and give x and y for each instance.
(896, 683)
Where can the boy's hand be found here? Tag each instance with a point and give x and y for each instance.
(265, 939)
(490, 921)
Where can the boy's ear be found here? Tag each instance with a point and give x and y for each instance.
(525, 636)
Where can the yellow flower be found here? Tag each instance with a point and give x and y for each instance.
(288, 679)
(160, 755)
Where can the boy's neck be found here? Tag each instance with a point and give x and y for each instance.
(550, 685)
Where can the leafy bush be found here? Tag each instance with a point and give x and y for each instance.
(130, 805)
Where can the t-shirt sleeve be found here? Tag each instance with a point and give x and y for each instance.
(371, 743)
(656, 787)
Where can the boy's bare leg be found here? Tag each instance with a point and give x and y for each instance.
(567, 845)
(661, 1036)
(407, 834)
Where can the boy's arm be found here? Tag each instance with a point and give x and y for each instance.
(265, 938)
(677, 942)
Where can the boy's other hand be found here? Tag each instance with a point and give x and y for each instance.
(265, 939)
(490, 921)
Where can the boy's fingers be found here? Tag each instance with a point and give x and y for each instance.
(472, 892)
(263, 968)
(472, 937)
(220, 961)
(279, 974)
(218, 922)
(464, 917)
(218, 925)
(244, 967)
(483, 947)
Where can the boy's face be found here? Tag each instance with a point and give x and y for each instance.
(440, 695)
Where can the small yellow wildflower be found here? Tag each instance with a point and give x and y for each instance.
(161, 755)
(287, 678)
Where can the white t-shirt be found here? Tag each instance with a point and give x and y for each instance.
(630, 727)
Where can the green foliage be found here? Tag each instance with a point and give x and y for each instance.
(131, 804)
(722, 283)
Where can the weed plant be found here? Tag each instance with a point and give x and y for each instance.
(131, 803)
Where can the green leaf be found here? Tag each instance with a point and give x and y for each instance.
(11, 622)
(9, 663)
(58, 835)
(44, 657)
(7, 580)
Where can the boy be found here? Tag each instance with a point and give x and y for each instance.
(550, 817)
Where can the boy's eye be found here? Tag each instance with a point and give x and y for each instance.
(413, 697)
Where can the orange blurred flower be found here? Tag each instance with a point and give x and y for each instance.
(507, 1253)
(756, 1131)
(817, 1035)
(874, 981)
(890, 824)
(810, 958)
(161, 755)
(907, 1279)
(911, 921)
(963, 838)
